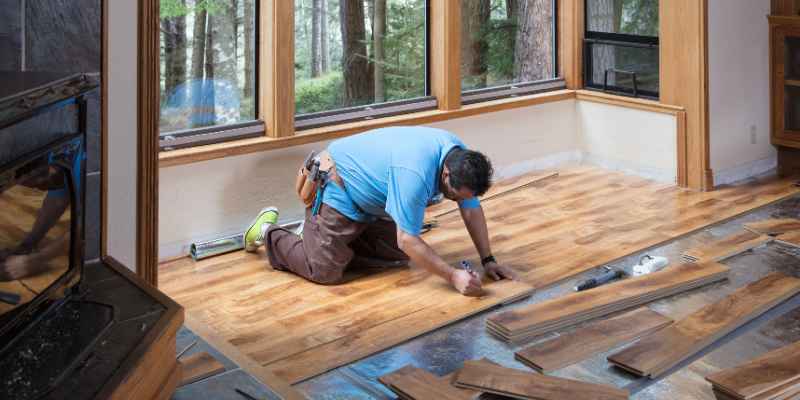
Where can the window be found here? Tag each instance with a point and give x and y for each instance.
(208, 78)
(357, 59)
(621, 47)
(507, 47)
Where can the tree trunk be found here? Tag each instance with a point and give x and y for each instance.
(323, 36)
(209, 101)
(174, 31)
(603, 19)
(356, 69)
(199, 44)
(224, 33)
(511, 9)
(316, 36)
(533, 47)
(168, 51)
(474, 46)
(249, 49)
(379, 30)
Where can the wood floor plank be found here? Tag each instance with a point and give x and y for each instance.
(774, 226)
(199, 366)
(657, 353)
(591, 339)
(544, 317)
(762, 374)
(412, 383)
(789, 238)
(491, 378)
(549, 231)
(726, 247)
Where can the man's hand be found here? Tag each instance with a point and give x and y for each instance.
(498, 272)
(466, 283)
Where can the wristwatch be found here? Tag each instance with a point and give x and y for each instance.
(488, 259)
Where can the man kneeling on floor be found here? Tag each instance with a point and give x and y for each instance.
(370, 209)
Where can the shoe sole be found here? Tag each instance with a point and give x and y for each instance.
(252, 249)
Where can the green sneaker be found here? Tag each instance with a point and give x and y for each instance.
(254, 235)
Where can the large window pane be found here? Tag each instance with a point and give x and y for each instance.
(614, 67)
(506, 41)
(207, 63)
(358, 52)
(633, 17)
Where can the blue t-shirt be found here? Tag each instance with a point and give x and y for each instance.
(390, 172)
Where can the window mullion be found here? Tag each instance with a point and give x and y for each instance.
(445, 25)
(276, 67)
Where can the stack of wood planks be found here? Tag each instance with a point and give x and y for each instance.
(656, 354)
(491, 378)
(728, 246)
(591, 339)
(774, 226)
(773, 376)
(527, 322)
(411, 383)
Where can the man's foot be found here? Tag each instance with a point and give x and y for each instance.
(254, 235)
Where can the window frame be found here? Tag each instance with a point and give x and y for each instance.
(190, 137)
(592, 38)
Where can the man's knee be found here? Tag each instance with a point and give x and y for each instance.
(325, 273)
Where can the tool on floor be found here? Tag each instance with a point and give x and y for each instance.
(246, 395)
(606, 277)
(649, 264)
(10, 298)
(186, 349)
(428, 225)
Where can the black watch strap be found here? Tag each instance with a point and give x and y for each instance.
(488, 259)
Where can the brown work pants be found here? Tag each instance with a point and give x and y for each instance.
(331, 243)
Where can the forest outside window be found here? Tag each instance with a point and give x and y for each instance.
(208, 78)
(508, 48)
(621, 47)
(359, 59)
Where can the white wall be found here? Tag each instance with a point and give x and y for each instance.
(213, 198)
(738, 53)
(630, 140)
(122, 131)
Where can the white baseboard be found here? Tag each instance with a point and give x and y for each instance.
(656, 174)
(547, 162)
(744, 171)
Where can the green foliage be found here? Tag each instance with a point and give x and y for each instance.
(318, 94)
(179, 8)
(639, 17)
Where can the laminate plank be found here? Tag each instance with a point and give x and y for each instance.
(726, 247)
(591, 339)
(762, 374)
(540, 318)
(657, 353)
(774, 226)
(789, 238)
(491, 378)
(412, 383)
(199, 366)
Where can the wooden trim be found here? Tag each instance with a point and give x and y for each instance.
(276, 95)
(783, 19)
(684, 79)
(785, 7)
(628, 102)
(247, 146)
(445, 51)
(104, 130)
(277, 385)
(147, 142)
(681, 180)
(570, 42)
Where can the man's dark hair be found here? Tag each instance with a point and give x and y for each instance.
(469, 169)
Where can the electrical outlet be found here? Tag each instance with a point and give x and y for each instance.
(753, 135)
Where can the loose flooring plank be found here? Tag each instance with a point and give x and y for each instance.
(501, 188)
(728, 246)
(754, 378)
(199, 366)
(549, 231)
(526, 322)
(491, 378)
(656, 354)
(774, 226)
(412, 383)
(789, 238)
(591, 339)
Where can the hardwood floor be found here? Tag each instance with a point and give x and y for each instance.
(552, 230)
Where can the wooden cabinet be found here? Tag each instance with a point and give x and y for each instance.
(785, 80)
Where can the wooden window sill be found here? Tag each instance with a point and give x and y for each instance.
(265, 143)
(629, 102)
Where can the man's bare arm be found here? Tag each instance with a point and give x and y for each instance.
(475, 221)
(420, 253)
